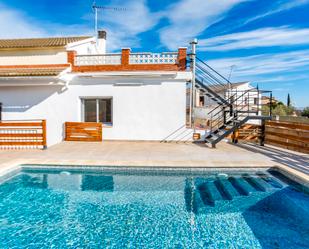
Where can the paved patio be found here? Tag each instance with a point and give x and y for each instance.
(157, 154)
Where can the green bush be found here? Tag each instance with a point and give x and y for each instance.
(305, 112)
(279, 109)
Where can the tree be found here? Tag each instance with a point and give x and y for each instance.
(305, 112)
(288, 102)
(279, 109)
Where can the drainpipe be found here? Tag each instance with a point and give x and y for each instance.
(193, 95)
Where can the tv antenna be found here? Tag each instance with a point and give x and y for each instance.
(231, 71)
(96, 7)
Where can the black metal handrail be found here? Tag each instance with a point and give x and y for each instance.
(213, 70)
(220, 117)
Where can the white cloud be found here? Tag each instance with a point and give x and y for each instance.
(124, 26)
(265, 37)
(264, 65)
(16, 24)
(189, 18)
(280, 7)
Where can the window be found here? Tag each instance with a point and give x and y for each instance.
(97, 110)
(202, 101)
(0, 111)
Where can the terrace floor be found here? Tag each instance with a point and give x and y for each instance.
(157, 154)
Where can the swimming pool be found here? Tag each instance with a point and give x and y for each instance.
(105, 207)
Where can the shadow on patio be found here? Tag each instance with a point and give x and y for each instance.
(292, 159)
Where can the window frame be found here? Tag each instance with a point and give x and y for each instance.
(97, 108)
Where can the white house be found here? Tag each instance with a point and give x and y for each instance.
(137, 96)
(242, 94)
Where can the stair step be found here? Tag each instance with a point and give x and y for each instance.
(226, 188)
(270, 180)
(192, 197)
(209, 140)
(242, 186)
(209, 193)
(257, 183)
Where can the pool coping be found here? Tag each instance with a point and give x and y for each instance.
(291, 173)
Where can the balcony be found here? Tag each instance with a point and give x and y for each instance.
(99, 59)
(127, 61)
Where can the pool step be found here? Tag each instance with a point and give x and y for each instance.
(242, 186)
(270, 180)
(257, 183)
(192, 197)
(226, 188)
(209, 193)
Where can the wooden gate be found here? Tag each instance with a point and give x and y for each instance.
(78, 131)
(23, 134)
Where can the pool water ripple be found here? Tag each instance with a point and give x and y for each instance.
(113, 210)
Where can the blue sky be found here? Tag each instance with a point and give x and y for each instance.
(266, 41)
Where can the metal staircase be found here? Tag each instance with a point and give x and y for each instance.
(231, 108)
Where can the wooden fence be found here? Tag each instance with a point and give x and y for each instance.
(289, 135)
(247, 132)
(78, 131)
(23, 134)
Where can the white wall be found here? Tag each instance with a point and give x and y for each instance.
(151, 111)
(87, 46)
(45, 56)
(33, 57)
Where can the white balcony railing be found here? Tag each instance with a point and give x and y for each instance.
(98, 59)
(134, 58)
(153, 58)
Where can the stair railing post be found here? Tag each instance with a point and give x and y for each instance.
(270, 104)
(257, 102)
(210, 123)
(248, 103)
(262, 137)
(193, 95)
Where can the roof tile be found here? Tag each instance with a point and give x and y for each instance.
(20, 72)
(39, 42)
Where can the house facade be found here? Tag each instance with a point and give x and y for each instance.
(137, 96)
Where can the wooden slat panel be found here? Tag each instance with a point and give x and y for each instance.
(77, 131)
(287, 145)
(18, 135)
(288, 125)
(22, 133)
(288, 135)
(21, 143)
(287, 131)
(286, 140)
(248, 132)
(21, 124)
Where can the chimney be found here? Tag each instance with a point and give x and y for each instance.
(101, 42)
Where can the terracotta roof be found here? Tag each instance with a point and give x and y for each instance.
(39, 42)
(19, 72)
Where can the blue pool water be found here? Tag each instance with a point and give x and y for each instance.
(109, 208)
